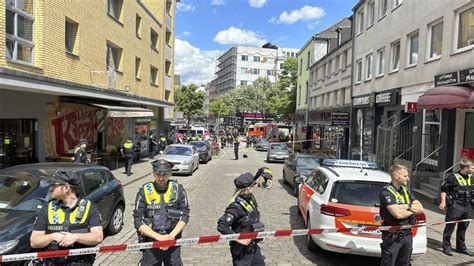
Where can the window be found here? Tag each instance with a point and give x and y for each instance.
(465, 28)
(243, 82)
(114, 8)
(93, 180)
(71, 36)
(396, 3)
(270, 72)
(138, 66)
(394, 55)
(154, 39)
(359, 70)
(244, 57)
(368, 64)
(114, 57)
(360, 29)
(281, 66)
(435, 40)
(243, 70)
(371, 13)
(19, 30)
(256, 71)
(299, 95)
(336, 63)
(413, 41)
(344, 59)
(381, 62)
(324, 71)
(138, 25)
(359, 193)
(307, 93)
(431, 135)
(308, 60)
(153, 75)
(382, 8)
(301, 66)
(329, 67)
(256, 59)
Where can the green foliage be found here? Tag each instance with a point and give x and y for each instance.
(189, 101)
(287, 81)
(219, 106)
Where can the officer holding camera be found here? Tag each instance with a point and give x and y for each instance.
(161, 213)
(241, 216)
(456, 196)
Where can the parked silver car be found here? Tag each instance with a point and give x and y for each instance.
(262, 144)
(277, 152)
(184, 157)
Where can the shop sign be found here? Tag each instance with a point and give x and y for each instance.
(340, 119)
(366, 100)
(383, 97)
(253, 115)
(411, 107)
(446, 79)
(466, 75)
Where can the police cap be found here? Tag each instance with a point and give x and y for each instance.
(162, 167)
(65, 177)
(244, 180)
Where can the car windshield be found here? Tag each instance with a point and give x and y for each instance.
(263, 141)
(281, 147)
(176, 150)
(23, 192)
(358, 193)
(308, 162)
(198, 144)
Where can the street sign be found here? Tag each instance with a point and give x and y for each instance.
(411, 107)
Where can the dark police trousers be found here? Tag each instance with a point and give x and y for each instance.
(128, 160)
(249, 255)
(453, 213)
(172, 256)
(236, 153)
(396, 248)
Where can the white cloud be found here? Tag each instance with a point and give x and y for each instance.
(313, 25)
(257, 3)
(306, 13)
(236, 36)
(184, 7)
(193, 64)
(186, 33)
(217, 2)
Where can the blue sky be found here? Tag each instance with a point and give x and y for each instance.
(204, 28)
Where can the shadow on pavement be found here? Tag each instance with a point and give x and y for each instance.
(286, 187)
(434, 244)
(323, 257)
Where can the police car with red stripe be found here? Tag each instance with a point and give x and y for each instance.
(345, 194)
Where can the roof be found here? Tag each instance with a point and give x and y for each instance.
(181, 145)
(48, 168)
(349, 173)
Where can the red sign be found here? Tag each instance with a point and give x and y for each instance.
(467, 153)
(411, 107)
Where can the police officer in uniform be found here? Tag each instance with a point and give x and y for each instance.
(163, 142)
(80, 155)
(236, 148)
(127, 151)
(67, 222)
(240, 216)
(456, 195)
(264, 177)
(397, 207)
(161, 213)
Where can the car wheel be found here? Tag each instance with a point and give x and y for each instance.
(309, 240)
(295, 188)
(116, 221)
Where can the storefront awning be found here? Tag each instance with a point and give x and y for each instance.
(123, 111)
(447, 97)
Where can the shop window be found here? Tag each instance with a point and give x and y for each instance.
(431, 136)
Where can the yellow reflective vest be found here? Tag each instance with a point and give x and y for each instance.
(75, 220)
(398, 197)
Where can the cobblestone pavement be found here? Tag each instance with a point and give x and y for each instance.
(209, 190)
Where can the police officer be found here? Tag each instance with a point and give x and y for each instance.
(397, 207)
(67, 221)
(127, 151)
(456, 195)
(264, 177)
(236, 148)
(242, 215)
(80, 155)
(161, 213)
(163, 142)
(152, 146)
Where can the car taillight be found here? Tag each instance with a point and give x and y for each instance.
(334, 211)
(420, 218)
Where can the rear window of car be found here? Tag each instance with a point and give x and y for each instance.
(358, 193)
(176, 150)
(279, 147)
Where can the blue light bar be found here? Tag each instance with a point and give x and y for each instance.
(351, 163)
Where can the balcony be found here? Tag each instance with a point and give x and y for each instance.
(168, 52)
(167, 82)
(168, 20)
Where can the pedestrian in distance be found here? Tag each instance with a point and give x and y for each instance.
(127, 150)
(80, 155)
(398, 206)
(236, 148)
(67, 221)
(161, 213)
(456, 199)
(152, 146)
(264, 177)
(242, 216)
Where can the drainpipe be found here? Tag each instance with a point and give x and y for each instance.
(352, 88)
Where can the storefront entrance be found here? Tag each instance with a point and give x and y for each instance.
(17, 142)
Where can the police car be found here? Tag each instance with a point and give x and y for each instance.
(345, 194)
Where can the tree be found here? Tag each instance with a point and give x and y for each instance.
(189, 101)
(219, 107)
(287, 81)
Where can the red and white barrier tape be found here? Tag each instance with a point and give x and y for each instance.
(207, 239)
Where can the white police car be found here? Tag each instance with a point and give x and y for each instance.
(344, 194)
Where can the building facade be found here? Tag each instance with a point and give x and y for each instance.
(407, 52)
(103, 74)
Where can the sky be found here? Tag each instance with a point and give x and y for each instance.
(205, 28)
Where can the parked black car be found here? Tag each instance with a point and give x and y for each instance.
(204, 149)
(24, 189)
(299, 166)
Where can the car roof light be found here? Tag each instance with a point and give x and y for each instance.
(351, 163)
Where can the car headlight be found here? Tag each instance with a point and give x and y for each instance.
(186, 163)
(7, 246)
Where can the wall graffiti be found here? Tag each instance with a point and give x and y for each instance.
(115, 131)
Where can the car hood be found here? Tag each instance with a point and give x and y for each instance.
(13, 225)
(176, 158)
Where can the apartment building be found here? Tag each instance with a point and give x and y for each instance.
(409, 52)
(100, 70)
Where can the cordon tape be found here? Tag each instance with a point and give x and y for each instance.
(208, 239)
